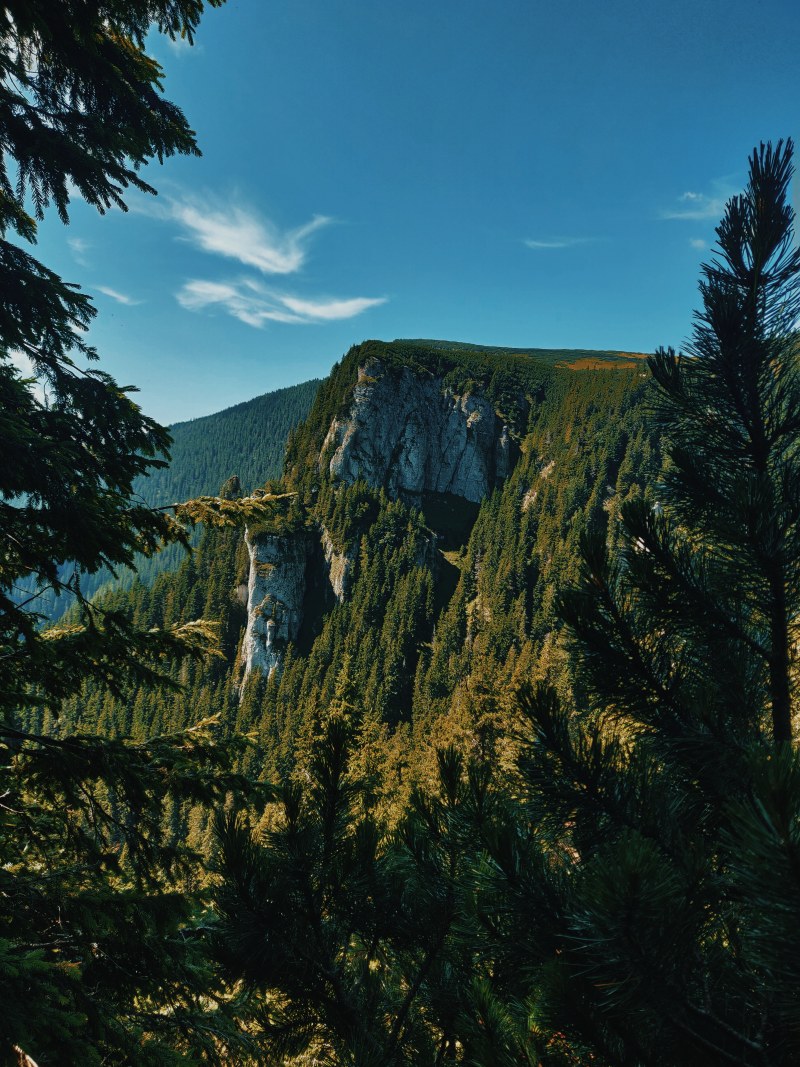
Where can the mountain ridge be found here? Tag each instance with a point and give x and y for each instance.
(425, 604)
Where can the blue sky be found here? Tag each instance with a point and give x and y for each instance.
(521, 173)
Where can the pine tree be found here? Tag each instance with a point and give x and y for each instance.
(343, 931)
(659, 889)
(81, 108)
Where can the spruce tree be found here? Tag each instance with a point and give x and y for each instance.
(342, 932)
(99, 962)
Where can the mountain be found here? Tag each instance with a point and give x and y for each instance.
(248, 439)
(374, 631)
(436, 498)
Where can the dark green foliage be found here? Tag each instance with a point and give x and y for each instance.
(666, 805)
(378, 628)
(248, 440)
(98, 957)
(343, 932)
(99, 961)
(81, 104)
(732, 411)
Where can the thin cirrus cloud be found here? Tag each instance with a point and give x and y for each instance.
(557, 242)
(114, 294)
(255, 305)
(180, 46)
(697, 206)
(79, 247)
(235, 231)
(239, 233)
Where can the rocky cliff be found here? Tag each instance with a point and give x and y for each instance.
(403, 430)
(275, 591)
(412, 434)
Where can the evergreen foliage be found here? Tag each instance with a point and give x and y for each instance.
(665, 806)
(344, 932)
(81, 107)
(98, 962)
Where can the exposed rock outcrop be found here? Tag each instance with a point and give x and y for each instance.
(405, 432)
(275, 591)
(412, 434)
(339, 566)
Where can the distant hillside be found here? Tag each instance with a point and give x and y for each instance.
(248, 440)
(439, 494)
(574, 358)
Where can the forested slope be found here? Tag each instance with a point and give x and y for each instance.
(446, 600)
(248, 439)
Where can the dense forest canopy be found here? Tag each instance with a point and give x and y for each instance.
(520, 782)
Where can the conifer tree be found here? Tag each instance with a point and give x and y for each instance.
(659, 889)
(98, 963)
(343, 933)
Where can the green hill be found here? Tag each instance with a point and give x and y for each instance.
(431, 619)
(248, 440)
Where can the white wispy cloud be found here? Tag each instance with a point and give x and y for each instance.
(557, 242)
(79, 246)
(180, 46)
(698, 243)
(699, 206)
(240, 233)
(330, 310)
(237, 231)
(254, 304)
(114, 294)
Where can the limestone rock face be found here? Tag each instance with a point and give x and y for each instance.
(405, 432)
(339, 566)
(411, 434)
(275, 591)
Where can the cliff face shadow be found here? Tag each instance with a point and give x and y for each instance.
(318, 600)
(450, 517)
